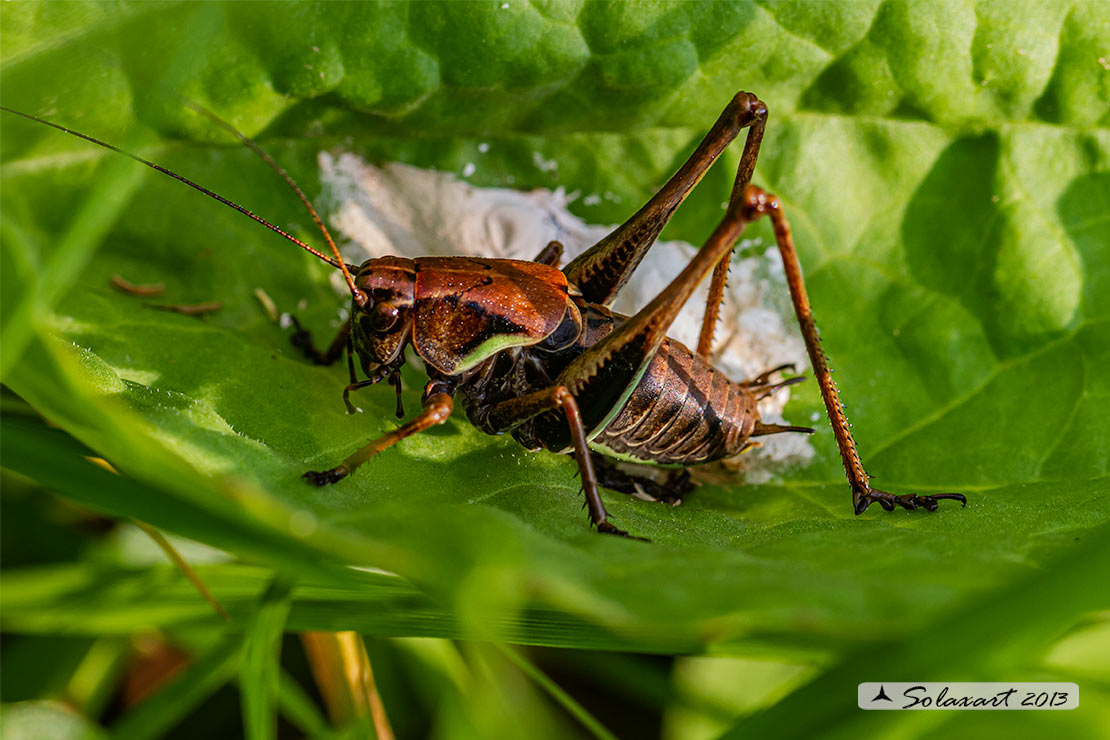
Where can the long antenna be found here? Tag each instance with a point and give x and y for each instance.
(250, 144)
(333, 262)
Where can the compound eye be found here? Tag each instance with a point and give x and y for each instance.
(383, 316)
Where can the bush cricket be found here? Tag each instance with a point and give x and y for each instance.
(533, 350)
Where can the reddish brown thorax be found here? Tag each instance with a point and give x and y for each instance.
(456, 311)
(468, 308)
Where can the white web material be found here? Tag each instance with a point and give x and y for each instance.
(410, 212)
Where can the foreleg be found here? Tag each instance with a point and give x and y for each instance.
(437, 408)
(302, 339)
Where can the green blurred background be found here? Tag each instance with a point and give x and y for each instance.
(946, 167)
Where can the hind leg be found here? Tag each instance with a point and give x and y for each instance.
(604, 268)
(756, 203)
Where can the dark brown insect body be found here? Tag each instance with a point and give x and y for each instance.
(682, 411)
(534, 351)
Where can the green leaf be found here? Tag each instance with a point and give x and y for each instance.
(947, 173)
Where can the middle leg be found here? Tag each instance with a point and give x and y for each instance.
(506, 415)
(611, 475)
(302, 340)
(551, 254)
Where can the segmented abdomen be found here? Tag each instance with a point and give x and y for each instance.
(683, 411)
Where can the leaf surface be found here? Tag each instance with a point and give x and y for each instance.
(948, 192)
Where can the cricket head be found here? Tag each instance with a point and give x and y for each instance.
(382, 326)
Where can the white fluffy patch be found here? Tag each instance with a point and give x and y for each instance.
(406, 211)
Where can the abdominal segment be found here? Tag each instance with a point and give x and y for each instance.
(683, 412)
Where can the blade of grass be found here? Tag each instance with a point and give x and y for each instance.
(346, 679)
(97, 677)
(183, 566)
(153, 717)
(90, 598)
(260, 667)
(107, 197)
(49, 456)
(556, 692)
(299, 708)
(104, 599)
(236, 508)
(19, 253)
(964, 646)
